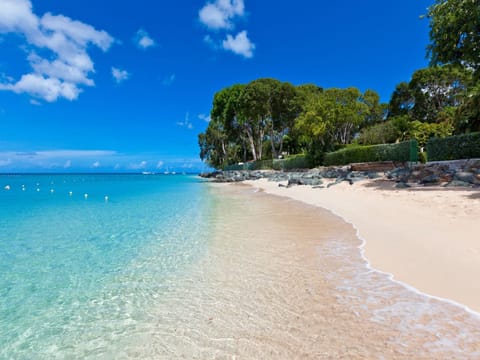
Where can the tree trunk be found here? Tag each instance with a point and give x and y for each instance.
(272, 143)
(252, 143)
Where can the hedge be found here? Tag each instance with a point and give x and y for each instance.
(292, 162)
(299, 161)
(465, 146)
(404, 151)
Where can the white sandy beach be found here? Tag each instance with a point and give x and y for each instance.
(428, 238)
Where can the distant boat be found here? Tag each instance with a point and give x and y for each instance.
(148, 173)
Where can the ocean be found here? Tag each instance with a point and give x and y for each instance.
(83, 256)
(168, 267)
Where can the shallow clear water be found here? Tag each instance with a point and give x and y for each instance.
(170, 268)
(76, 272)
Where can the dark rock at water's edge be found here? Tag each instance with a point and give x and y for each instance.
(450, 174)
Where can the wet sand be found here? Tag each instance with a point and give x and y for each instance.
(285, 280)
(425, 237)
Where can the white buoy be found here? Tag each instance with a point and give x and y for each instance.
(52, 191)
(38, 189)
(85, 196)
(7, 187)
(106, 198)
(70, 193)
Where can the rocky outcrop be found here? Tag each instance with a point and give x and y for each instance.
(466, 174)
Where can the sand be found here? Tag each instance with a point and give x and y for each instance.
(281, 279)
(427, 238)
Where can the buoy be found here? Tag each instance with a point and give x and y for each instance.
(38, 189)
(70, 193)
(7, 187)
(85, 196)
(106, 198)
(52, 191)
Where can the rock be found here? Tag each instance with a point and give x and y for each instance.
(402, 185)
(458, 183)
(373, 166)
(465, 177)
(430, 180)
(373, 175)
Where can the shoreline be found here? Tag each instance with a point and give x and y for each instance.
(422, 238)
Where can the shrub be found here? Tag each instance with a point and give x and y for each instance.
(382, 133)
(299, 161)
(404, 151)
(465, 146)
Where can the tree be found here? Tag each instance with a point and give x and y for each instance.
(331, 117)
(255, 109)
(436, 88)
(455, 33)
(402, 100)
(430, 92)
(377, 111)
(221, 142)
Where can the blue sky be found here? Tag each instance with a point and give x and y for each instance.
(127, 86)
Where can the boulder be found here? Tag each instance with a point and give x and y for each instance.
(402, 185)
(430, 180)
(465, 177)
(458, 183)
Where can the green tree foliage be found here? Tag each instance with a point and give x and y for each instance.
(430, 92)
(334, 116)
(455, 33)
(467, 116)
(383, 133)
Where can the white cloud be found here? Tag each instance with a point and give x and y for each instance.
(119, 75)
(186, 123)
(160, 164)
(138, 166)
(169, 80)
(219, 14)
(67, 66)
(96, 164)
(143, 40)
(204, 117)
(35, 102)
(240, 44)
(5, 162)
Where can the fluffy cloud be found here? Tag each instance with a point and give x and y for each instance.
(219, 14)
(186, 123)
(96, 164)
(204, 117)
(119, 75)
(240, 44)
(143, 40)
(138, 166)
(67, 67)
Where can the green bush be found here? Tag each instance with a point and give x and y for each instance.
(299, 161)
(404, 151)
(465, 146)
(423, 157)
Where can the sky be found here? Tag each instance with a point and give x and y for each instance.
(122, 86)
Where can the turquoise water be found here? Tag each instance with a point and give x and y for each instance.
(78, 273)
